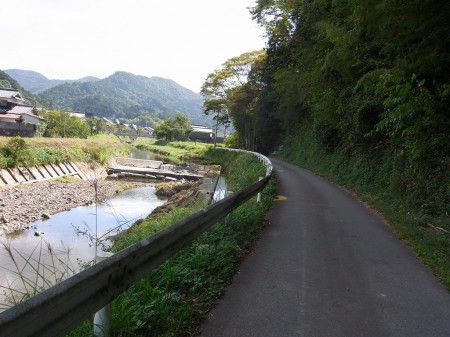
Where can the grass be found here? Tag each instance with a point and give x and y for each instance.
(100, 148)
(173, 152)
(174, 299)
(41, 151)
(42, 268)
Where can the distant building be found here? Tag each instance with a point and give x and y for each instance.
(78, 114)
(149, 130)
(22, 119)
(10, 98)
(108, 121)
(202, 134)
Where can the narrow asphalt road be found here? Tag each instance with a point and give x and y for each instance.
(326, 266)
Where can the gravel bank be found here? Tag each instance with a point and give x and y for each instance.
(20, 205)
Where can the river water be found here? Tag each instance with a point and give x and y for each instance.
(139, 154)
(69, 238)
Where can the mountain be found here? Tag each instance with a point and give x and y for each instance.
(36, 82)
(7, 81)
(87, 79)
(134, 98)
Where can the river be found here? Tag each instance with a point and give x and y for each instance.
(68, 240)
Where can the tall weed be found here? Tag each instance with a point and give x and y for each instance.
(42, 268)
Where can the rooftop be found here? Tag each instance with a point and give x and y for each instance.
(10, 93)
(22, 109)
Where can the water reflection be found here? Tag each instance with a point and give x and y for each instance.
(139, 154)
(221, 190)
(69, 237)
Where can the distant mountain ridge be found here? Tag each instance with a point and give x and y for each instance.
(36, 82)
(132, 98)
(6, 81)
(138, 99)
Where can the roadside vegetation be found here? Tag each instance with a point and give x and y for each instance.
(418, 217)
(356, 91)
(174, 299)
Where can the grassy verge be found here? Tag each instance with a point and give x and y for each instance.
(28, 152)
(422, 221)
(16, 151)
(174, 299)
(174, 152)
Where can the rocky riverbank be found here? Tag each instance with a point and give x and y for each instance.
(20, 205)
(23, 204)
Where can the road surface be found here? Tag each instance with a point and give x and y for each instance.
(326, 266)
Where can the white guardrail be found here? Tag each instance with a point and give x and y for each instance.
(63, 307)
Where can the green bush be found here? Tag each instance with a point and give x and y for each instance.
(232, 141)
(15, 148)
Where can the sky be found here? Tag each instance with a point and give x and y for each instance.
(182, 40)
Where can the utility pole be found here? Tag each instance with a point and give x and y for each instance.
(64, 132)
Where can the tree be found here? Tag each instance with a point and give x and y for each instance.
(368, 78)
(61, 124)
(222, 85)
(215, 99)
(97, 125)
(176, 128)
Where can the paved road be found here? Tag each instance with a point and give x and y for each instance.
(326, 266)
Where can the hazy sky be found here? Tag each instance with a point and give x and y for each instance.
(183, 40)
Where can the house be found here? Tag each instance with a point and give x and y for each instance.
(149, 130)
(12, 125)
(21, 119)
(28, 114)
(201, 134)
(108, 121)
(10, 118)
(10, 98)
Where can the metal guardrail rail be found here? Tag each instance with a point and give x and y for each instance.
(64, 306)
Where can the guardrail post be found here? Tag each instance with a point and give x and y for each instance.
(102, 321)
(258, 197)
(102, 318)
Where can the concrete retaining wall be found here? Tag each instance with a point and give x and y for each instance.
(21, 175)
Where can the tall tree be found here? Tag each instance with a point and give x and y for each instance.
(225, 87)
(369, 77)
(176, 128)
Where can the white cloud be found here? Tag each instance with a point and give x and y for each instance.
(177, 39)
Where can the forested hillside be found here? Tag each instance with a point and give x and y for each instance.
(358, 91)
(8, 82)
(36, 82)
(137, 99)
(369, 75)
(366, 82)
